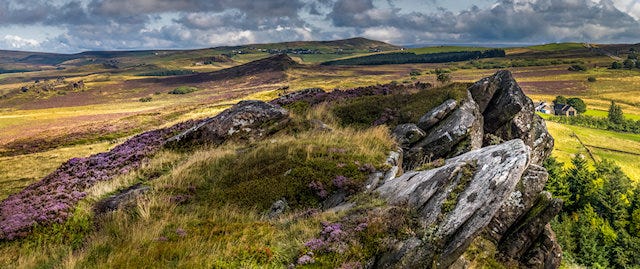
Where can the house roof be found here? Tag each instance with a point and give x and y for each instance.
(562, 107)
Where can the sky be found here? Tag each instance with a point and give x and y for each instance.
(70, 26)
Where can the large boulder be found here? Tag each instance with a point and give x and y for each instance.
(408, 134)
(509, 113)
(437, 114)
(247, 120)
(521, 238)
(520, 201)
(454, 203)
(458, 133)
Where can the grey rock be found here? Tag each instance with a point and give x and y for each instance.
(408, 134)
(519, 202)
(509, 114)
(437, 114)
(506, 99)
(248, 120)
(480, 181)
(334, 200)
(394, 161)
(460, 132)
(299, 95)
(522, 237)
(546, 253)
(122, 199)
(278, 208)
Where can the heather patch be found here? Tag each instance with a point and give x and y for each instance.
(315, 96)
(53, 199)
(369, 229)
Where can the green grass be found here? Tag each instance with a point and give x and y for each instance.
(557, 47)
(364, 111)
(604, 114)
(284, 167)
(439, 49)
(183, 90)
(622, 148)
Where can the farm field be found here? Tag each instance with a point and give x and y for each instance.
(624, 149)
(109, 107)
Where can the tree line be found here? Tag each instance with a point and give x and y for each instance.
(410, 57)
(599, 225)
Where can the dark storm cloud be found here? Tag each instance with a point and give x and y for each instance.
(147, 24)
(506, 21)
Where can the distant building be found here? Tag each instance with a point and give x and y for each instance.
(544, 107)
(564, 110)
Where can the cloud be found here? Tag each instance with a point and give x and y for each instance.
(506, 21)
(17, 42)
(151, 24)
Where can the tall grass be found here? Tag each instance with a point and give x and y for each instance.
(187, 220)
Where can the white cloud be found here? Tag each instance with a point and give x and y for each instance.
(17, 42)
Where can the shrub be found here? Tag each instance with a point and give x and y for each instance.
(616, 65)
(162, 73)
(578, 67)
(145, 99)
(183, 90)
(592, 79)
(443, 78)
(415, 73)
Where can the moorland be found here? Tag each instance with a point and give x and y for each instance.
(55, 107)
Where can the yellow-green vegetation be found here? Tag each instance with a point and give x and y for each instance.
(622, 148)
(188, 220)
(19, 171)
(398, 108)
(438, 49)
(557, 47)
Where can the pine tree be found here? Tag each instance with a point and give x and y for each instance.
(557, 183)
(580, 181)
(615, 113)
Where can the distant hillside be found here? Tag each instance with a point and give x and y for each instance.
(346, 46)
(277, 63)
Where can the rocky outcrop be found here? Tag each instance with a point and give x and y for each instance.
(455, 202)
(122, 199)
(408, 134)
(492, 193)
(247, 120)
(508, 113)
(459, 132)
(437, 114)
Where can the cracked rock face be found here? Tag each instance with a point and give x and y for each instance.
(455, 202)
(491, 193)
(459, 132)
(437, 114)
(249, 120)
(509, 114)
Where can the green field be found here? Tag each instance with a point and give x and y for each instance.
(557, 47)
(439, 49)
(622, 148)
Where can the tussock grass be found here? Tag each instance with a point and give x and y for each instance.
(395, 109)
(206, 209)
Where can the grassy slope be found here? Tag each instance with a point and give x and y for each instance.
(216, 228)
(619, 147)
(557, 46)
(217, 233)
